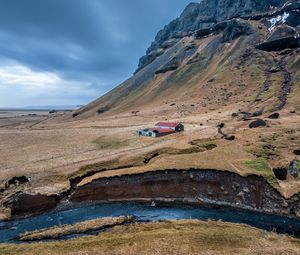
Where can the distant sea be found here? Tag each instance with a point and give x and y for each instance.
(39, 108)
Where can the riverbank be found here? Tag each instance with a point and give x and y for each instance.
(203, 188)
(75, 230)
(168, 237)
(11, 230)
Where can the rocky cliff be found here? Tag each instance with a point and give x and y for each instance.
(200, 16)
(196, 56)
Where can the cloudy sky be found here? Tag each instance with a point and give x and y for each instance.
(69, 52)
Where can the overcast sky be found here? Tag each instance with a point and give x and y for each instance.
(69, 52)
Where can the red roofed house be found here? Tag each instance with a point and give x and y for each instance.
(176, 126)
(161, 129)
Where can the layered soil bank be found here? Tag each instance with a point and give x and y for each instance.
(199, 186)
(203, 187)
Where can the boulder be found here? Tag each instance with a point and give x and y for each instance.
(294, 168)
(230, 137)
(103, 110)
(236, 28)
(257, 123)
(221, 125)
(257, 113)
(74, 115)
(280, 173)
(274, 116)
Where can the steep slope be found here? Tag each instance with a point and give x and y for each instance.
(217, 53)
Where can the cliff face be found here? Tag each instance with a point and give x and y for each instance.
(204, 15)
(195, 186)
(206, 187)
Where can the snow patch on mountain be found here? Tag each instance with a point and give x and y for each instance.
(280, 19)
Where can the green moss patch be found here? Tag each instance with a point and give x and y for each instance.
(261, 166)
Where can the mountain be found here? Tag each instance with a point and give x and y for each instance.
(218, 53)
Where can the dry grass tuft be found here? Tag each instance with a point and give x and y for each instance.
(78, 228)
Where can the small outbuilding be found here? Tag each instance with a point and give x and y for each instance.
(161, 129)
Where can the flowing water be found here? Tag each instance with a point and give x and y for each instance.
(11, 229)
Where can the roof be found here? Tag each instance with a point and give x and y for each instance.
(162, 130)
(167, 124)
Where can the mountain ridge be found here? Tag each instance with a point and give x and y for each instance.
(203, 15)
(192, 49)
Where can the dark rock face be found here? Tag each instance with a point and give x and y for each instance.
(202, 17)
(231, 29)
(17, 180)
(257, 123)
(28, 204)
(203, 32)
(280, 173)
(294, 18)
(172, 65)
(236, 28)
(282, 31)
(275, 116)
(291, 42)
(297, 152)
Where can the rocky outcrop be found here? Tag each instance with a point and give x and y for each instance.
(236, 28)
(15, 181)
(232, 29)
(290, 42)
(282, 31)
(171, 66)
(202, 17)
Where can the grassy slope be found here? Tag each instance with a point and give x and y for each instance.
(180, 237)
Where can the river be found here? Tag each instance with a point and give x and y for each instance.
(9, 230)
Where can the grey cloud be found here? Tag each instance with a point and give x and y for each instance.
(94, 41)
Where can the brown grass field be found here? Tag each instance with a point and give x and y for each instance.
(51, 151)
(168, 238)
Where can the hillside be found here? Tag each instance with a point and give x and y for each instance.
(216, 54)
